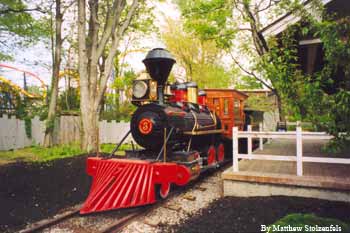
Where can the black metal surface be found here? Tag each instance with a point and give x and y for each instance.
(158, 64)
(167, 117)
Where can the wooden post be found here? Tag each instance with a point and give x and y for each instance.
(249, 129)
(235, 149)
(261, 145)
(299, 144)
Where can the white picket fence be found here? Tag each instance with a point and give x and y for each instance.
(67, 130)
(297, 135)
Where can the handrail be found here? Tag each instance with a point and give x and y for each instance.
(298, 135)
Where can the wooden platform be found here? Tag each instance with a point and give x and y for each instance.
(276, 175)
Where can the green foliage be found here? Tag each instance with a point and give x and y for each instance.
(124, 82)
(108, 148)
(210, 20)
(69, 100)
(50, 125)
(10, 97)
(212, 76)
(318, 97)
(37, 153)
(18, 25)
(305, 221)
(260, 103)
(28, 126)
(200, 59)
(122, 113)
(40, 154)
(280, 66)
(113, 109)
(143, 22)
(247, 82)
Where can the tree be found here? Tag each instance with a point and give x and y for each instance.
(97, 47)
(235, 25)
(50, 122)
(321, 97)
(201, 59)
(17, 23)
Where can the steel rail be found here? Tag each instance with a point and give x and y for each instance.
(49, 222)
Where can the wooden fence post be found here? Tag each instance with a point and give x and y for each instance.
(261, 145)
(249, 129)
(235, 149)
(299, 143)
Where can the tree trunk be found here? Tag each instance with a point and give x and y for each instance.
(91, 131)
(93, 81)
(48, 138)
(279, 106)
(262, 48)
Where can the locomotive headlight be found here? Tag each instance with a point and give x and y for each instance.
(139, 89)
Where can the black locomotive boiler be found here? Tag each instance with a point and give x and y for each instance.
(180, 135)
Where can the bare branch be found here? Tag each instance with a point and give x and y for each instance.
(250, 73)
(11, 10)
(93, 35)
(111, 22)
(235, 3)
(67, 7)
(82, 46)
(115, 43)
(245, 29)
(265, 8)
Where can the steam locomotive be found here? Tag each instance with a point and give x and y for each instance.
(182, 134)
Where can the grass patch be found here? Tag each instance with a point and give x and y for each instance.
(109, 147)
(308, 223)
(42, 154)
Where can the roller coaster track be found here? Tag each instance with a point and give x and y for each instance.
(26, 72)
(18, 88)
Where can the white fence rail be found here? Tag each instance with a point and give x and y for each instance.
(297, 135)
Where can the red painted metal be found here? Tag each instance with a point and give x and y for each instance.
(202, 100)
(123, 183)
(220, 152)
(180, 95)
(211, 155)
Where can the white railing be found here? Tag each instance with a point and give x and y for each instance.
(298, 135)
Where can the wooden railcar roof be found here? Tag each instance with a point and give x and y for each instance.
(226, 90)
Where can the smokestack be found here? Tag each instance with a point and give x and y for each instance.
(159, 63)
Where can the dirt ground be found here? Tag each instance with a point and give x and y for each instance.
(233, 214)
(33, 191)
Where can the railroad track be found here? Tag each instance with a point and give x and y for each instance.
(121, 218)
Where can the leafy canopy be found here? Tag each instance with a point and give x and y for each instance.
(18, 27)
(201, 59)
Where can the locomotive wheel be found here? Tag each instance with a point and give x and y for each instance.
(211, 154)
(162, 191)
(220, 152)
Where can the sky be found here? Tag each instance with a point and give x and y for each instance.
(37, 58)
